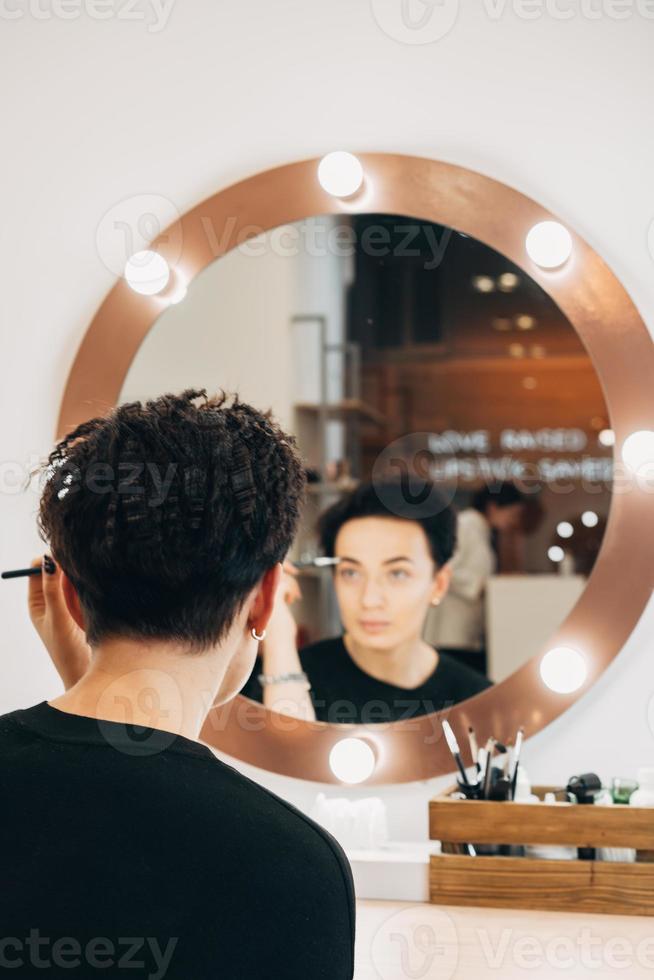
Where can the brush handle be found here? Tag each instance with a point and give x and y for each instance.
(21, 572)
(462, 768)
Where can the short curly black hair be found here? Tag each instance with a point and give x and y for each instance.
(165, 516)
(410, 498)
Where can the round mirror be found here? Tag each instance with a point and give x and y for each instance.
(390, 345)
(438, 326)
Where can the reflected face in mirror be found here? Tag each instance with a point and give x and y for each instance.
(385, 582)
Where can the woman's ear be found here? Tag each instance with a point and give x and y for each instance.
(442, 580)
(262, 607)
(71, 599)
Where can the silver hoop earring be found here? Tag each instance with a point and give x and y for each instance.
(258, 636)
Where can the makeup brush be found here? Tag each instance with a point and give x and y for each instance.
(454, 749)
(490, 744)
(474, 749)
(20, 572)
(319, 562)
(516, 760)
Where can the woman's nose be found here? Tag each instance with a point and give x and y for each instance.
(372, 595)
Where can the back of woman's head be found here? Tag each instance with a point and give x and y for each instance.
(165, 516)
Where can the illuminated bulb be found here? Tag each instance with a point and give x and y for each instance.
(516, 350)
(606, 437)
(352, 760)
(529, 383)
(537, 351)
(147, 272)
(483, 284)
(565, 529)
(508, 281)
(638, 449)
(525, 322)
(549, 244)
(563, 670)
(340, 173)
(589, 518)
(555, 553)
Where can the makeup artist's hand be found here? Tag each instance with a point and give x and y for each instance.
(61, 636)
(282, 625)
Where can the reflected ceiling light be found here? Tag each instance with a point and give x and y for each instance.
(537, 351)
(563, 670)
(352, 760)
(638, 449)
(529, 383)
(501, 323)
(147, 272)
(340, 173)
(483, 284)
(549, 244)
(516, 350)
(555, 553)
(589, 518)
(508, 281)
(606, 437)
(525, 322)
(564, 529)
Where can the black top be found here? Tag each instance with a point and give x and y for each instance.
(343, 693)
(122, 845)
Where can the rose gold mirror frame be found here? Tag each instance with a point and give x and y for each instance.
(623, 355)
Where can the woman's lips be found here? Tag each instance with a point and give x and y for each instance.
(373, 626)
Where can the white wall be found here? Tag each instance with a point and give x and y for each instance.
(99, 111)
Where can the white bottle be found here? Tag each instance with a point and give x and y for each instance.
(644, 795)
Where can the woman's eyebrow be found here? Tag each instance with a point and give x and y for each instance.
(388, 561)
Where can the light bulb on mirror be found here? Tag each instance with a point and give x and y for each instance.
(555, 553)
(563, 670)
(147, 272)
(589, 518)
(638, 450)
(549, 244)
(340, 173)
(352, 760)
(564, 529)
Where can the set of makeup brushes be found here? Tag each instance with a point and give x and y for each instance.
(494, 773)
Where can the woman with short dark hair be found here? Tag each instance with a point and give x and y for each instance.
(167, 524)
(394, 539)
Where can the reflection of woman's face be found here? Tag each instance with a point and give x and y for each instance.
(385, 581)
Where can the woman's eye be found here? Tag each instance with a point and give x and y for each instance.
(347, 573)
(399, 573)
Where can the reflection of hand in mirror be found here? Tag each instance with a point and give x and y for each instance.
(279, 651)
(282, 628)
